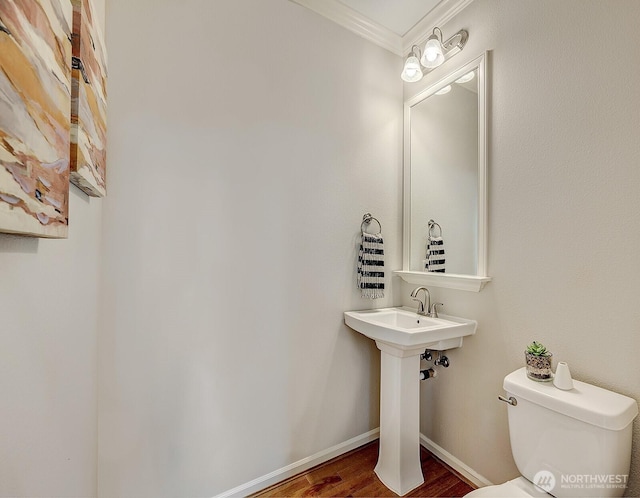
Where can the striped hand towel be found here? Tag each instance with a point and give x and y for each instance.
(435, 255)
(371, 266)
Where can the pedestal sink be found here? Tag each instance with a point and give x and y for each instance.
(402, 335)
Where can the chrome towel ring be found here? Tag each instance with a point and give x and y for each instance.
(432, 224)
(366, 220)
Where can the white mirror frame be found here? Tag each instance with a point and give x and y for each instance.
(450, 280)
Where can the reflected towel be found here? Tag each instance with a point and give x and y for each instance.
(435, 255)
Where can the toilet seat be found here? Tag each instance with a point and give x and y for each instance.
(516, 488)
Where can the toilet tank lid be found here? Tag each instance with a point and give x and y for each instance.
(586, 402)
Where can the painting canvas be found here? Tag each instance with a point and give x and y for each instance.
(35, 103)
(88, 102)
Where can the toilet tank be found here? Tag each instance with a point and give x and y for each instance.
(570, 443)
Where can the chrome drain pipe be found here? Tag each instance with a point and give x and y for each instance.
(429, 373)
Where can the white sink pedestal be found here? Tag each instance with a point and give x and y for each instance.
(401, 336)
(398, 464)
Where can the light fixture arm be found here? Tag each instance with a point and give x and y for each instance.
(438, 32)
(415, 50)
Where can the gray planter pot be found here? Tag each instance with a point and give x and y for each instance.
(539, 367)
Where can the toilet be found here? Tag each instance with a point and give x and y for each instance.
(566, 443)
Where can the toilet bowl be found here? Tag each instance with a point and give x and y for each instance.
(516, 488)
(574, 443)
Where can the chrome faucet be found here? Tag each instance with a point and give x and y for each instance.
(424, 307)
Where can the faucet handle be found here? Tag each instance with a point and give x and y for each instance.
(433, 312)
(420, 305)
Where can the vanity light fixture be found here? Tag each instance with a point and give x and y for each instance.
(435, 53)
(412, 71)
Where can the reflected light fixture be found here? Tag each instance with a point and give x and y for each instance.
(412, 71)
(434, 54)
(443, 90)
(467, 77)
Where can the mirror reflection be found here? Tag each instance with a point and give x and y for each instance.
(444, 178)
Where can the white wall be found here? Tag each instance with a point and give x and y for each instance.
(246, 139)
(564, 198)
(49, 296)
(48, 358)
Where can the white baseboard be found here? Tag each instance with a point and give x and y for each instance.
(323, 456)
(456, 464)
(300, 466)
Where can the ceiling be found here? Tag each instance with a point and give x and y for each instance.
(398, 16)
(392, 24)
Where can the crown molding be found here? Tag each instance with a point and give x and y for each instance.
(380, 35)
(439, 16)
(356, 23)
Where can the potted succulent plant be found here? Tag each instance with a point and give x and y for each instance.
(538, 361)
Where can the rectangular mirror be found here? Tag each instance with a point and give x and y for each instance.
(445, 179)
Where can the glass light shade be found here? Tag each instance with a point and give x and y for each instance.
(444, 90)
(467, 77)
(412, 71)
(432, 55)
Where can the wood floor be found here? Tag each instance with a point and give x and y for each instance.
(352, 475)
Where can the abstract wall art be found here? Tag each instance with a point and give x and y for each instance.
(88, 102)
(35, 104)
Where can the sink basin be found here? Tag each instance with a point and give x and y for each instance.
(404, 329)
